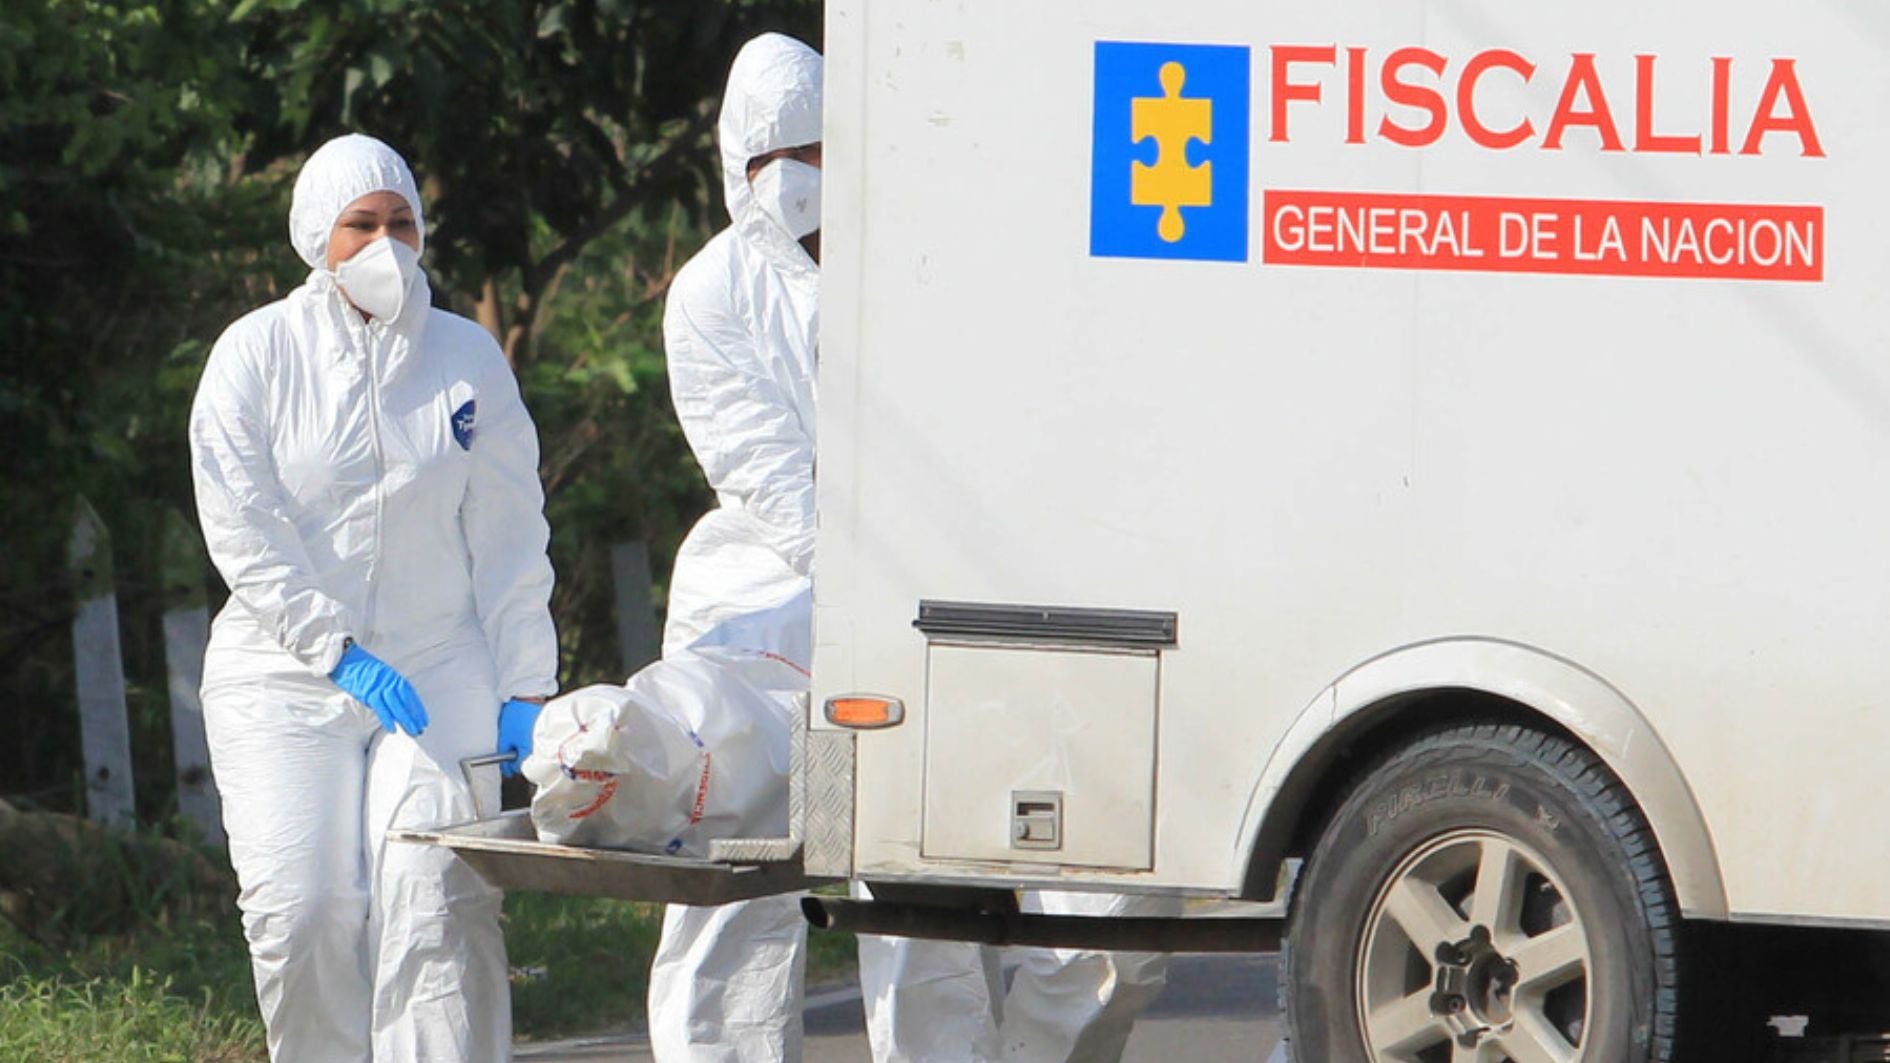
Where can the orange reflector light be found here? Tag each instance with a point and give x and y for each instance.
(864, 712)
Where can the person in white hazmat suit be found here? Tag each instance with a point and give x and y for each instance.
(366, 476)
(740, 329)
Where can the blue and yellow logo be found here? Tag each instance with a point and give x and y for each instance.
(1168, 175)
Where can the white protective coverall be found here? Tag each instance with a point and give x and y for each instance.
(374, 480)
(932, 1001)
(739, 330)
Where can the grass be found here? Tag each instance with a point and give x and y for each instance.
(180, 990)
(831, 957)
(142, 1018)
(129, 947)
(169, 993)
(580, 965)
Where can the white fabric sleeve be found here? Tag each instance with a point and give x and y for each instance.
(506, 535)
(744, 431)
(243, 509)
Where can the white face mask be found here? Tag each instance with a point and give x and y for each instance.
(788, 190)
(379, 276)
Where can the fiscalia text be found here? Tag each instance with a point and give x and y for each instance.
(1421, 93)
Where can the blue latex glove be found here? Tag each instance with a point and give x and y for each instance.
(516, 720)
(380, 688)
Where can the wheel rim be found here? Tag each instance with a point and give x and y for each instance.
(1474, 952)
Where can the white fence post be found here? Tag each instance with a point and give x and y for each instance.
(637, 637)
(98, 665)
(186, 634)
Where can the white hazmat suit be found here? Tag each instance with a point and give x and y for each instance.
(373, 480)
(928, 1001)
(739, 330)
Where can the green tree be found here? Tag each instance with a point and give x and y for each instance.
(539, 125)
(124, 246)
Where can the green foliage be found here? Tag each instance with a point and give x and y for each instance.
(578, 965)
(129, 236)
(70, 880)
(537, 126)
(104, 998)
(182, 990)
(616, 467)
(113, 89)
(832, 956)
(140, 1019)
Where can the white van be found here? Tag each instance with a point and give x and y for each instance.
(1442, 441)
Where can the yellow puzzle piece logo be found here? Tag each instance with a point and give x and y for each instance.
(1171, 121)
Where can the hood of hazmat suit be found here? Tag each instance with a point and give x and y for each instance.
(374, 480)
(740, 330)
(333, 178)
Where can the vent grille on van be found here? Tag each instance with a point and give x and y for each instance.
(1034, 623)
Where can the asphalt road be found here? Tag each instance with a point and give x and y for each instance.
(1216, 1009)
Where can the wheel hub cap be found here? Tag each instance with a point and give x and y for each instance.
(1474, 947)
(1474, 988)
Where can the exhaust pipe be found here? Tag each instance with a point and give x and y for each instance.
(1105, 933)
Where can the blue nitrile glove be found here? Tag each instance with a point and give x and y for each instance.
(380, 688)
(516, 720)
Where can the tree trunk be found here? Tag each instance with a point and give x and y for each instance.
(486, 311)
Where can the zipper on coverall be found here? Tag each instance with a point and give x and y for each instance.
(380, 473)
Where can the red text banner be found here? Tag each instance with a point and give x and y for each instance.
(1370, 230)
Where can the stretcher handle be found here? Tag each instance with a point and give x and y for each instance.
(468, 765)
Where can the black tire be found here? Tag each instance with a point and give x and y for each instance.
(1576, 850)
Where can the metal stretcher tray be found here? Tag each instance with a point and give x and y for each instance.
(507, 853)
